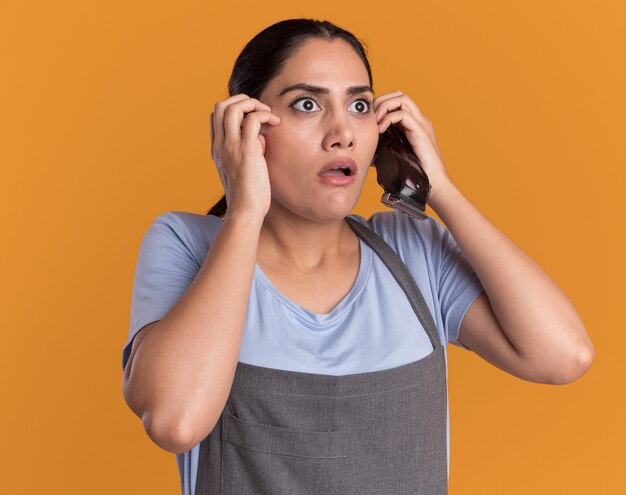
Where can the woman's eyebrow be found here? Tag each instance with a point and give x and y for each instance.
(352, 90)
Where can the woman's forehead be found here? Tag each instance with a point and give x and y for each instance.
(334, 66)
(317, 55)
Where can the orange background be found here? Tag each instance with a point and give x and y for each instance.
(104, 125)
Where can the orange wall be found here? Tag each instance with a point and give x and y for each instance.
(104, 125)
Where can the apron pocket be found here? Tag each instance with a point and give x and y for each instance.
(259, 458)
(284, 441)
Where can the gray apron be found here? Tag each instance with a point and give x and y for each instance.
(375, 433)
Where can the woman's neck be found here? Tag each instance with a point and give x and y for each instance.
(293, 243)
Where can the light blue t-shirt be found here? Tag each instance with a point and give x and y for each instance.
(373, 328)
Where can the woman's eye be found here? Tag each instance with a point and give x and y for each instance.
(307, 104)
(361, 105)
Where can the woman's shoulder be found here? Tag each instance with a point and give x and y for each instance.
(416, 241)
(184, 220)
(192, 232)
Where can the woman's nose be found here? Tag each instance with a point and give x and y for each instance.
(339, 131)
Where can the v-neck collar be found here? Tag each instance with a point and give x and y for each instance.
(365, 266)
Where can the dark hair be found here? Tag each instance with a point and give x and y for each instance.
(264, 55)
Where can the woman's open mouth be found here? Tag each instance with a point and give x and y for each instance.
(339, 172)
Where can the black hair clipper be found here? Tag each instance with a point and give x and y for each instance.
(400, 173)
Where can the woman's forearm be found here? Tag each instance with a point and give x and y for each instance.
(184, 368)
(534, 312)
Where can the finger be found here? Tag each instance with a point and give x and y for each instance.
(384, 97)
(252, 125)
(234, 116)
(421, 118)
(418, 136)
(409, 104)
(218, 118)
(399, 116)
(405, 103)
(261, 138)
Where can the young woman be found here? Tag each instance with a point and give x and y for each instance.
(281, 344)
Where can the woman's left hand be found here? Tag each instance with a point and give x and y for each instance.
(396, 107)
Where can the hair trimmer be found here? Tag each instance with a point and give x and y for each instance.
(400, 173)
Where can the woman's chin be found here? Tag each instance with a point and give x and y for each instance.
(327, 209)
(333, 213)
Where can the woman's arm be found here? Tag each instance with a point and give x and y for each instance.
(181, 373)
(525, 324)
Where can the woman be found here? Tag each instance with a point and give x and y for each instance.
(291, 347)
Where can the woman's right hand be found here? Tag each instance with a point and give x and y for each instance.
(238, 149)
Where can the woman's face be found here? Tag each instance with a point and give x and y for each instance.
(318, 127)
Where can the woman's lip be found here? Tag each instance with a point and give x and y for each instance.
(337, 180)
(344, 162)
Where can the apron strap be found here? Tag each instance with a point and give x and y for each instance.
(403, 276)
